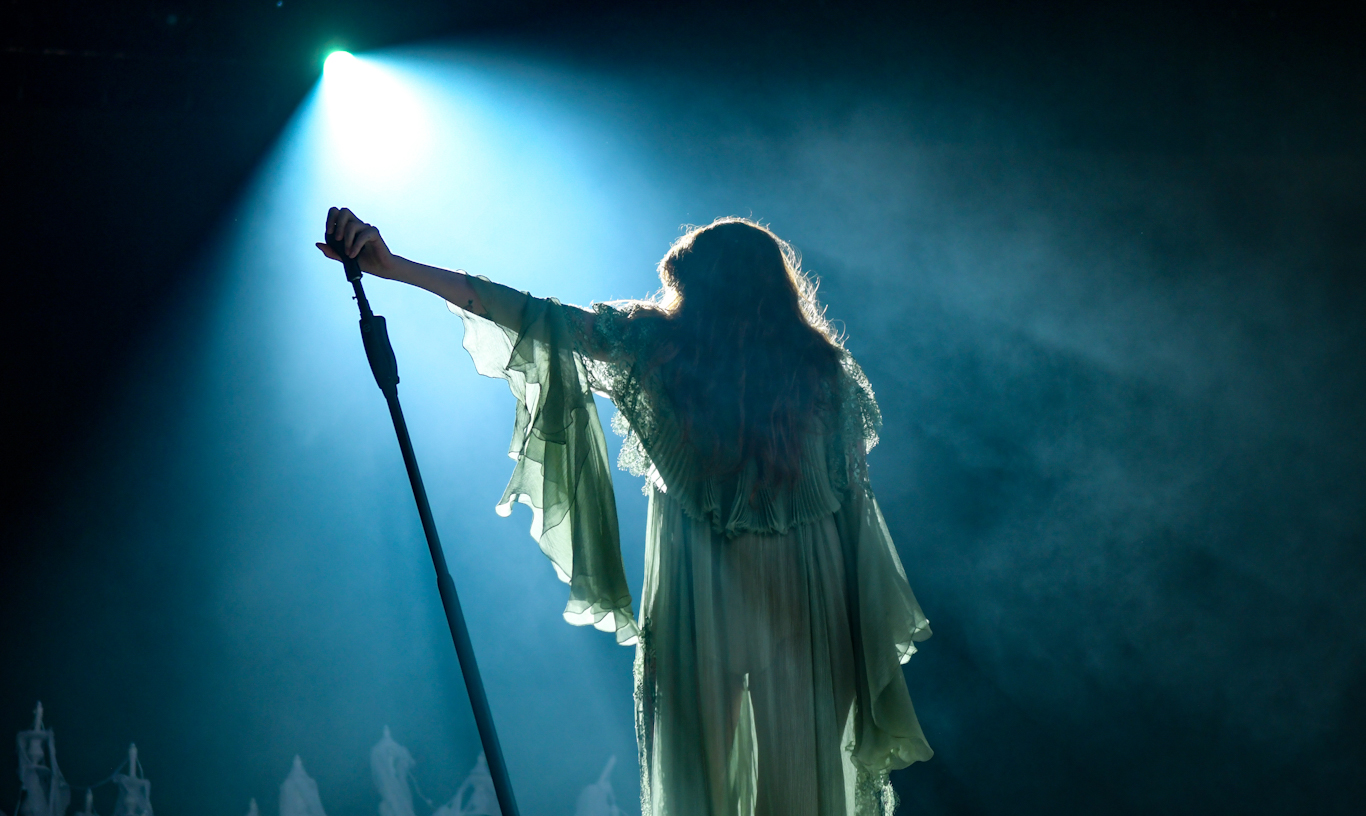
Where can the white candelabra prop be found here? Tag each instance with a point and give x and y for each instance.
(45, 791)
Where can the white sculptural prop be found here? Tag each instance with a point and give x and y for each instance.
(252, 809)
(299, 793)
(389, 765)
(135, 792)
(45, 791)
(475, 796)
(89, 804)
(599, 799)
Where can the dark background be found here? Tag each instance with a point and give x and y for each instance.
(1117, 336)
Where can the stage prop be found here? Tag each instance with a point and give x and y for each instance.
(299, 793)
(475, 796)
(599, 799)
(45, 791)
(390, 765)
(135, 791)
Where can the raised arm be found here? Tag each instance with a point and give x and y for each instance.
(493, 301)
(363, 242)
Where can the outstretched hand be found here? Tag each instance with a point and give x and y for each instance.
(361, 241)
(358, 240)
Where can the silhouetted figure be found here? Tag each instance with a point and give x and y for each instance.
(776, 612)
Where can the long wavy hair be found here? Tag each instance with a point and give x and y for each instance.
(747, 357)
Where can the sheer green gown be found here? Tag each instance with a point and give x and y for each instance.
(771, 632)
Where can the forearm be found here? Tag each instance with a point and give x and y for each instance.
(501, 304)
(348, 236)
(453, 286)
(479, 296)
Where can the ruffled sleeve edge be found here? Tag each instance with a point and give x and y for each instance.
(586, 606)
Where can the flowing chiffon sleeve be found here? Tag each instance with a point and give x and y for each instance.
(562, 472)
(885, 732)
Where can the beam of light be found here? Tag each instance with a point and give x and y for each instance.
(324, 571)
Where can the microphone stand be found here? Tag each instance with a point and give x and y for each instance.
(384, 366)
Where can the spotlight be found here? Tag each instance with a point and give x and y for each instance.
(337, 61)
(376, 120)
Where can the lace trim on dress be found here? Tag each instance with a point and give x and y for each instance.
(834, 460)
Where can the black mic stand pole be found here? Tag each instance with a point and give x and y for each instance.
(385, 368)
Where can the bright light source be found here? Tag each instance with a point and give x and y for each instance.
(376, 123)
(337, 61)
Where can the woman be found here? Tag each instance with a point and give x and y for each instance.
(776, 613)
